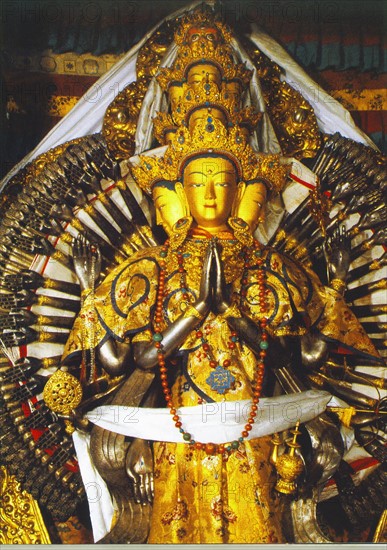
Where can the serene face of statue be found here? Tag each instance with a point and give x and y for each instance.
(232, 90)
(203, 72)
(169, 208)
(175, 93)
(199, 35)
(251, 204)
(210, 186)
(204, 114)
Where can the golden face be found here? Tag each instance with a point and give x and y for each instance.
(203, 72)
(232, 90)
(200, 38)
(210, 186)
(251, 203)
(169, 208)
(175, 94)
(205, 114)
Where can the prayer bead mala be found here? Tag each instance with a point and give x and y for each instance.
(213, 448)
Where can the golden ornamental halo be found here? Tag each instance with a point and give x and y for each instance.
(209, 137)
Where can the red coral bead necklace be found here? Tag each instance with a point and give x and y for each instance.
(251, 254)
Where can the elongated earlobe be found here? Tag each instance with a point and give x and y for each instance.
(159, 219)
(238, 197)
(183, 198)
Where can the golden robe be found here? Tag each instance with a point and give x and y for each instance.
(201, 498)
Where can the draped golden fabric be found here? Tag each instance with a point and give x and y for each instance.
(201, 498)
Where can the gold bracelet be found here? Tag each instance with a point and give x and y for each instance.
(338, 285)
(191, 311)
(232, 311)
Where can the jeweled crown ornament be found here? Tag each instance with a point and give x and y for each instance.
(205, 87)
(210, 137)
(207, 99)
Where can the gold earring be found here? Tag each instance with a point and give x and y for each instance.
(180, 232)
(241, 231)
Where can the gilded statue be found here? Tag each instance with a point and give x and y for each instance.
(208, 316)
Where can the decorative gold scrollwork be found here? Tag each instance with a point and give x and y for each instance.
(292, 116)
(20, 518)
(150, 55)
(120, 122)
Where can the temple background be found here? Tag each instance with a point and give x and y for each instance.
(53, 51)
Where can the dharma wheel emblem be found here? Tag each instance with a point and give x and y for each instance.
(62, 393)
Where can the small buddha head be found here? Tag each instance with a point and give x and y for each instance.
(232, 89)
(203, 71)
(175, 93)
(206, 115)
(168, 204)
(202, 37)
(250, 202)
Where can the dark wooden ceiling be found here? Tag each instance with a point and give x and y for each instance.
(113, 26)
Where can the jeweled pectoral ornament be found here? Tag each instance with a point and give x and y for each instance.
(180, 231)
(62, 394)
(241, 231)
(289, 466)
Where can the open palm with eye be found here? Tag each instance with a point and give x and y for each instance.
(139, 467)
(337, 251)
(87, 261)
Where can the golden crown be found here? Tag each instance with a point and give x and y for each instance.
(164, 123)
(208, 137)
(221, 125)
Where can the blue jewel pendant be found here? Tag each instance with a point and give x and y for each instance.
(220, 380)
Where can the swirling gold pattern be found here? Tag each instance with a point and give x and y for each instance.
(120, 122)
(63, 392)
(292, 116)
(20, 517)
(150, 55)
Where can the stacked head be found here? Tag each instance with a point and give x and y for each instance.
(208, 129)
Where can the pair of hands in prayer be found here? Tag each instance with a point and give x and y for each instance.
(213, 291)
